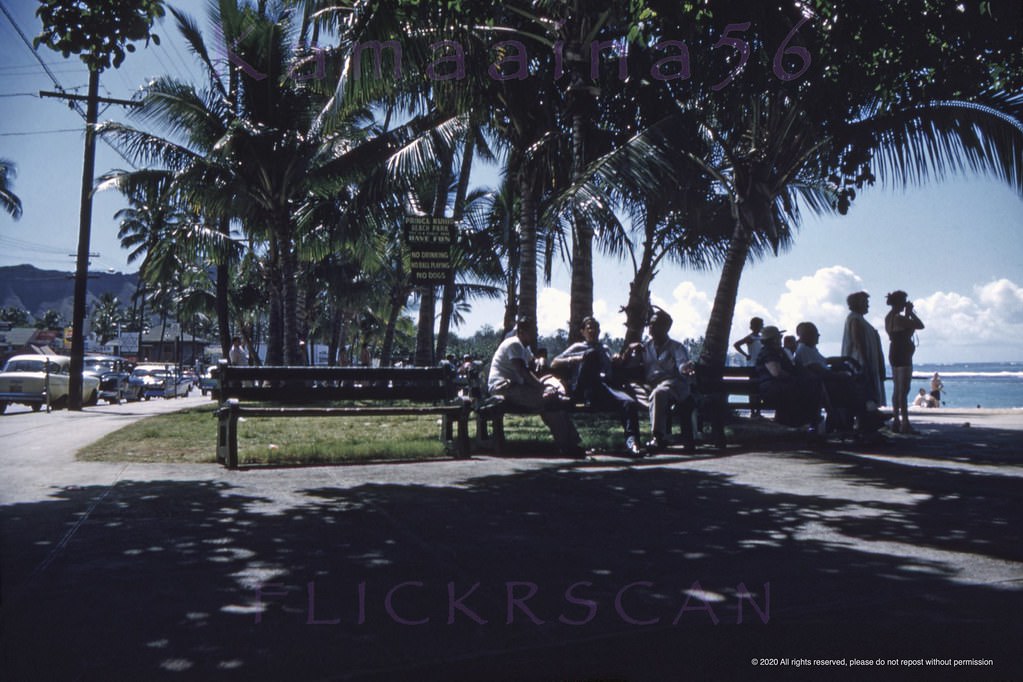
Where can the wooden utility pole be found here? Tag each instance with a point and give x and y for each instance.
(93, 101)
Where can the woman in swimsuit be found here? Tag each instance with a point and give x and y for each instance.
(901, 323)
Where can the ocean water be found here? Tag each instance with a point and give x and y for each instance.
(975, 384)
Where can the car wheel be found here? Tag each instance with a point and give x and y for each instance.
(35, 407)
(93, 399)
(3, 406)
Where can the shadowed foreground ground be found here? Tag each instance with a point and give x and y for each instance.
(528, 568)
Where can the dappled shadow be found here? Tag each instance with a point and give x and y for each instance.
(637, 570)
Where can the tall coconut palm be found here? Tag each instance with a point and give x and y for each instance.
(770, 136)
(9, 201)
(259, 157)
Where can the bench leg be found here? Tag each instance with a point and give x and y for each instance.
(446, 430)
(463, 435)
(498, 430)
(222, 427)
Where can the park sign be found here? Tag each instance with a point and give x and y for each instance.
(429, 242)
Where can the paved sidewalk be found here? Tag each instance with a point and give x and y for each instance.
(526, 568)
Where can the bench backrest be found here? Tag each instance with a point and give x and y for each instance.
(739, 381)
(303, 384)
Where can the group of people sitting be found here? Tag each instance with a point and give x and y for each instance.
(850, 388)
(804, 388)
(653, 375)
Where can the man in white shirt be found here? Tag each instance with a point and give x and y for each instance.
(511, 378)
(666, 379)
(238, 355)
(844, 396)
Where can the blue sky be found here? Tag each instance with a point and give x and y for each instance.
(956, 246)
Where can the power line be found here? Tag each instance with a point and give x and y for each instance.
(25, 245)
(53, 77)
(42, 132)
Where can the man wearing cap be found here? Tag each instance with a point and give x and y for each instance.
(511, 378)
(795, 396)
(666, 376)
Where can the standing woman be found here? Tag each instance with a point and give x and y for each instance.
(862, 343)
(901, 323)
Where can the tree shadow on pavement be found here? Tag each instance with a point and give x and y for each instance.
(581, 571)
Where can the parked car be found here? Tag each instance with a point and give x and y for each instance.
(208, 382)
(113, 373)
(31, 379)
(159, 381)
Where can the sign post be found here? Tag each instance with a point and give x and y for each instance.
(429, 242)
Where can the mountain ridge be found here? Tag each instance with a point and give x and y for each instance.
(35, 290)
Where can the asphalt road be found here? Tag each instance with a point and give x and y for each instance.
(738, 565)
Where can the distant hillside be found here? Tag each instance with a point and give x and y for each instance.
(35, 290)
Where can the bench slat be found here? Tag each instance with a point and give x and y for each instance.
(453, 410)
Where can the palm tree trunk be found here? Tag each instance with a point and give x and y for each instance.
(289, 295)
(637, 310)
(142, 316)
(163, 331)
(223, 310)
(398, 298)
(527, 245)
(581, 296)
(447, 306)
(715, 343)
(275, 327)
(511, 300)
(638, 307)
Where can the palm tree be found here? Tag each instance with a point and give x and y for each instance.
(9, 201)
(107, 316)
(779, 151)
(259, 157)
(771, 142)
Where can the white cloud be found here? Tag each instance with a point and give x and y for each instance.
(994, 315)
(818, 298)
(1004, 299)
(553, 312)
(984, 323)
(688, 307)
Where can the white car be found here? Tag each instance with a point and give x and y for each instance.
(31, 379)
(159, 381)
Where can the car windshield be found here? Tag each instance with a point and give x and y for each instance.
(30, 366)
(158, 373)
(100, 365)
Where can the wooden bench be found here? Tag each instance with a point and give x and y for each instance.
(303, 391)
(711, 402)
(714, 390)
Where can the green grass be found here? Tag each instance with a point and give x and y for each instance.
(190, 436)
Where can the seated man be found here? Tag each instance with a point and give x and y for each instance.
(511, 378)
(795, 395)
(844, 397)
(666, 380)
(587, 368)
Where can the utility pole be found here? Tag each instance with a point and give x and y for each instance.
(93, 101)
